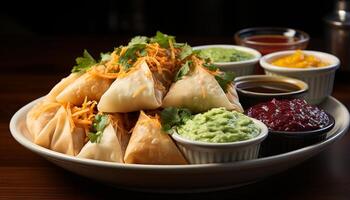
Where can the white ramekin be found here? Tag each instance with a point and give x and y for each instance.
(204, 152)
(320, 80)
(240, 68)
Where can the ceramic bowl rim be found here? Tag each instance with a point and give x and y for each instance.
(303, 89)
(255, 53)
(265, 62)
(262, 135)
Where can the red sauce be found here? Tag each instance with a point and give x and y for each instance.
(289, 115)
(271, 43)
(271, 39)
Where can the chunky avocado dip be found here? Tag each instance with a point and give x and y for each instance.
(219, 125)
(217, 54)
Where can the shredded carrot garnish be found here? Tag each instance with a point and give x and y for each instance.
(82, 116)
(82, 122)
(81, 112)
(105, 75)
(199, 63)
(161, 61)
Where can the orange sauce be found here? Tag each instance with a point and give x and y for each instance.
(299, 60)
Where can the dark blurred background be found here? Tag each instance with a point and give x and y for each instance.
(46, 36)
(177, 17)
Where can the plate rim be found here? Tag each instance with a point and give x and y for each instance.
(20, 138)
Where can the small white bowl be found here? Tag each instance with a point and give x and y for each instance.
(241, 68)
(320, 79)
(204, 152)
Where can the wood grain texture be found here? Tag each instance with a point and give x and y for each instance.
(25, 175)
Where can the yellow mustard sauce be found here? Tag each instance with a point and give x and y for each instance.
(299, 60)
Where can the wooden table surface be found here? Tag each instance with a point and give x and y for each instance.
(31, 66)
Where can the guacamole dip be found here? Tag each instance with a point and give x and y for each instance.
(217, 54)
(219, 125)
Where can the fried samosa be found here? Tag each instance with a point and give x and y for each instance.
(112, 143)
(61, 135)
(136, 90)
(199, 91)
(149, 144)
(87, 85)
(40, 115)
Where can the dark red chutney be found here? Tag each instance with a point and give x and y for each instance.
(289, 115)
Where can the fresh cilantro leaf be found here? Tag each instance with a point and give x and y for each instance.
(95, 137)
(83, 63)
(162, 39)
(138, 40)
(136, 45)
(224, 79)
(207, 60)
(105, 56)
(101, 122)
(171, 117)
(186, 50)
(185, 114)
(130, 56)
(210, 66)
(143, 52)
(98, 126)
(179, 45)
(183, 70)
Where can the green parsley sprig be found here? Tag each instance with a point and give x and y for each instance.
(223, 78)
(130, 55)
(105, 56)
(184, 70)
(83, 63)
(162, 39)
(98, 126)
(172, 117)
(186, 50)
(137, 46)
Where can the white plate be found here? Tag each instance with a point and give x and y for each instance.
(184, 178)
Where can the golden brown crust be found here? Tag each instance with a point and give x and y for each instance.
(150, 145)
